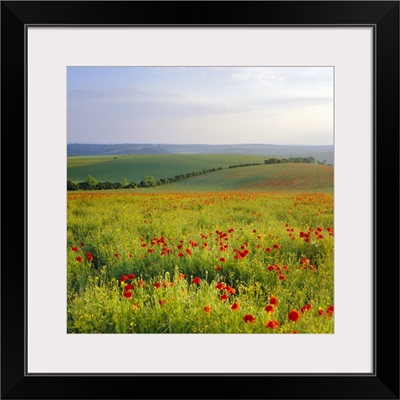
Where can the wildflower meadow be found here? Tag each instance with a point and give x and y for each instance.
(217, 262)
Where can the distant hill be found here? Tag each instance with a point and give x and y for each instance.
(320, 153)
(259, 178)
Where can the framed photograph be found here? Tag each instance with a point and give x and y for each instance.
(210, 200)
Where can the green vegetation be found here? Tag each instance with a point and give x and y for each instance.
(272, 177)
(135, 167)
(200, 263)
(258, 177)
(245, 246)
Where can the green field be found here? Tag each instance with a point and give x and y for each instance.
(135, 167)
(238, 250)
(272, 177)
(200, 263)
(258, 178)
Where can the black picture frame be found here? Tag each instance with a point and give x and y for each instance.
(383, 383)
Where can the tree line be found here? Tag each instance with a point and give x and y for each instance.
(302, 160)
(244, 165)
(92, 183)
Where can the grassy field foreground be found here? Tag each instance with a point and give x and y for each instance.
(200, 263)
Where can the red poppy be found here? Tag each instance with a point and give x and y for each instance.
(157, 285)
(116, 255)
(230, 289)
(268, 249)
(74, 248)
(294, 332)
(82, 244)
(269, 308)
(272, 324)
(131, 276)
(180, 254)
(89, 256)
(330, 310)
(235, 306)
(224, 297)
(188, 252)
(276, 246)
(220, 286)
(248, 318)
(222, 259)
(128, 287)
(282, 277)
(127, 294)
(79, 258)
(273, 300)
(123, 278)
(294, 315)
(196, 280)
(207, 309)
(321, 311)
(305, 308)
(218, 267)
(161, 302)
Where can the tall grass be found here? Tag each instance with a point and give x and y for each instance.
(200, 263)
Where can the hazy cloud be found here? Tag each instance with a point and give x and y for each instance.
(281, 105)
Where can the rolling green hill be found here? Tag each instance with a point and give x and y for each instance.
(259, 178)
(135, 167)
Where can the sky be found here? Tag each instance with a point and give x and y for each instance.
(200, 105)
